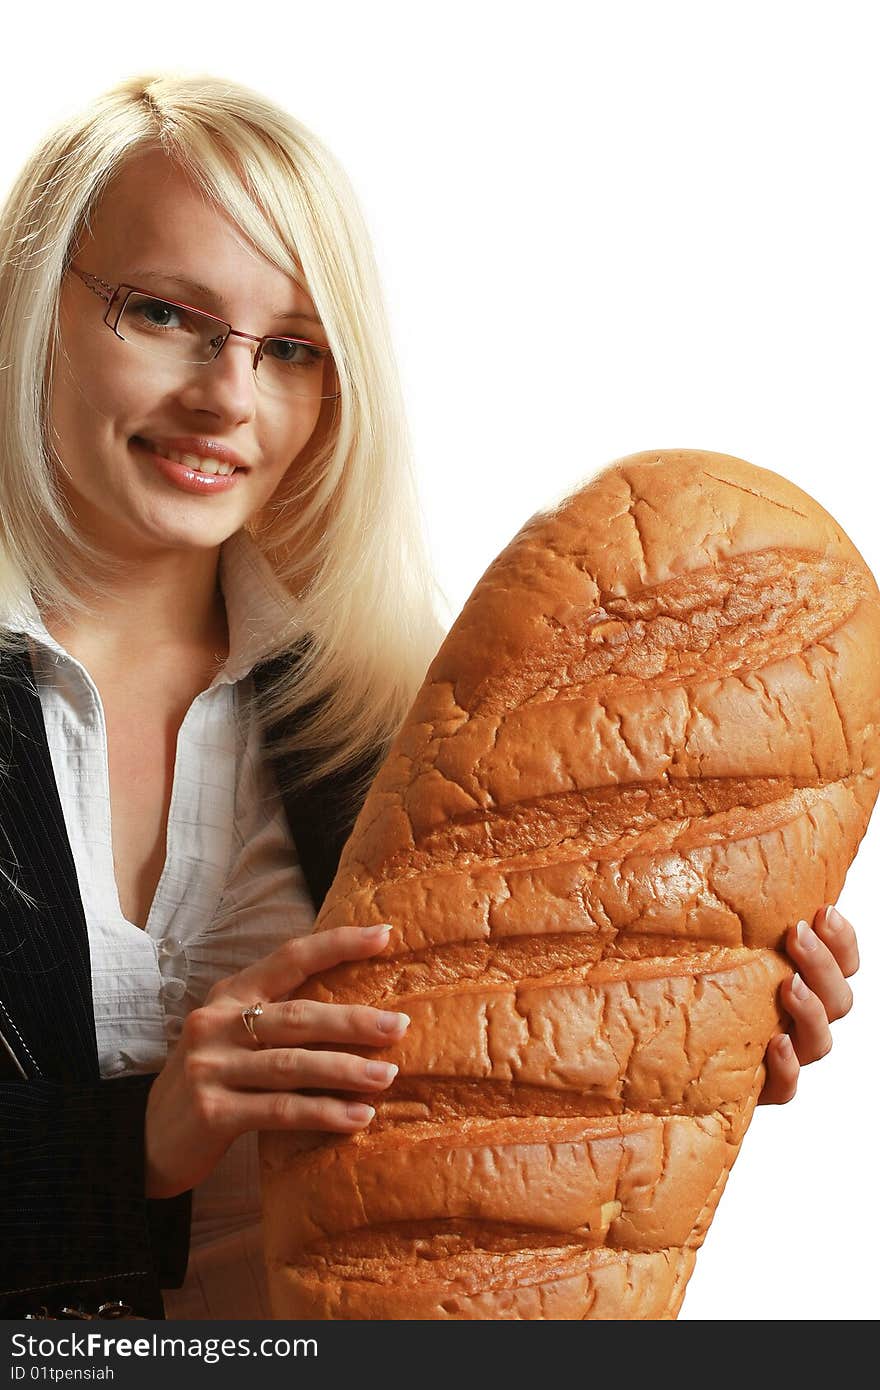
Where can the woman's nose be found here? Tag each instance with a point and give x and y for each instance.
(227, 385)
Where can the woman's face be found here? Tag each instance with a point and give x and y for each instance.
(108, 396)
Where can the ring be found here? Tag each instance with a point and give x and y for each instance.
(248, 1016)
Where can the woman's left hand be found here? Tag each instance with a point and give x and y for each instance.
(814, 997)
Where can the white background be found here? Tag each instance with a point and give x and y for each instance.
(601, 228)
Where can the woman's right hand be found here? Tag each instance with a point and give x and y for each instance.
(217, 1083)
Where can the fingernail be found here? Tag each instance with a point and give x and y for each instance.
(834, 919)
(376, 931)
(806, 937)
(798, 988)
(392, 1023)
(381, 1071)
(784, 1046)
(359, 1112)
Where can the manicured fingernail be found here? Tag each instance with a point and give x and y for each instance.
(376, 931)
(359, 1112)
(392, 1023)
(798, 987)
(784, 1046)
(806, 937)
(834, 919)
(381, 1071)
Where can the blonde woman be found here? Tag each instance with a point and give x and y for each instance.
(216, 608)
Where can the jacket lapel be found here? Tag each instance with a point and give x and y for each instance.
(320, 816)
(46, 1010)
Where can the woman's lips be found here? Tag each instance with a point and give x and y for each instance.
(193, 450)
(184, 478)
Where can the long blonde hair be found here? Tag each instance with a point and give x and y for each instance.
(344, 532)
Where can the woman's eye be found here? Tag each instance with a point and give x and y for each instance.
(293, 354)
(158, 313)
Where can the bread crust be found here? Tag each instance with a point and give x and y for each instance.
(648, 746)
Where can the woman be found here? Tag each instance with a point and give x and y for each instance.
(201, 670)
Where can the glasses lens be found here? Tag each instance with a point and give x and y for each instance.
(182, 335)
(298, 366)
(168, 330)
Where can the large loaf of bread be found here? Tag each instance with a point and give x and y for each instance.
(649, 745)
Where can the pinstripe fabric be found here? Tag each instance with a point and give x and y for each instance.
(73, 1220)
(44, 948)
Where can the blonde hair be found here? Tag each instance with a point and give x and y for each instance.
(344, 532)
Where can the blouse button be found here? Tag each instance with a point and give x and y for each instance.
(170, 948)
(173, 988)
(173, 1027)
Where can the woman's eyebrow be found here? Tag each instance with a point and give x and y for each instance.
(197, 288)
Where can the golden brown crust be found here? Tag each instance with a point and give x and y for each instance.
(648, 746)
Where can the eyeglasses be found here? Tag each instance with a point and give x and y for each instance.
(184, 335)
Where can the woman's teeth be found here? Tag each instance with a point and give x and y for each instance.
(199, 465)
(193, 461)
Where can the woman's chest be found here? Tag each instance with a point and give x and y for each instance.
(143, 729)
(141, 757)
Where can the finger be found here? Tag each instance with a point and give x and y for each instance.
(839, 936)
(288, 967)
(810, 1034)
(783, 1069)
(820, 970)
(299, 1068)
(296, 1022)
(290, 1110)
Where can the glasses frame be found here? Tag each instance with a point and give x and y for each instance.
(110, 293)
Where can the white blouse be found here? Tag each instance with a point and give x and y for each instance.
(230, 892)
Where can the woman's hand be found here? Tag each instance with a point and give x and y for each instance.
(218, 1083)
(814, 997)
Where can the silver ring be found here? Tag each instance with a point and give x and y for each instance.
(248, 1016)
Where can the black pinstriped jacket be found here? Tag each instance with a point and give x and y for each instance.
(75, 1227)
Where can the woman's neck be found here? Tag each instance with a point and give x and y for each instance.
(171, 605)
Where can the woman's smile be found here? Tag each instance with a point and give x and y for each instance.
(201, 454)
(189, 472)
